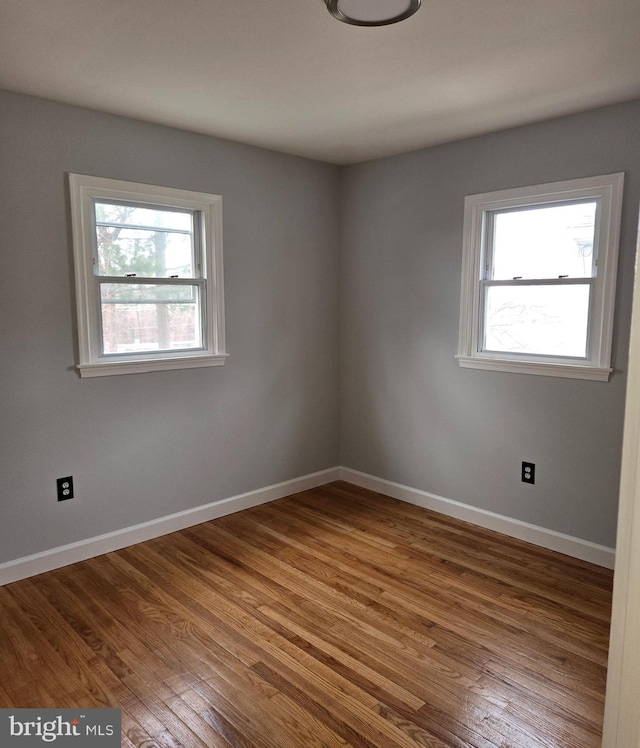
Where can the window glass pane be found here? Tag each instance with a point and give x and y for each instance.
(128, 241)
(147, 318)
(546, 320)
(546, 242)
(150, 217)
(151, 254)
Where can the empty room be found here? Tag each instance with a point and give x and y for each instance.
(319, 341)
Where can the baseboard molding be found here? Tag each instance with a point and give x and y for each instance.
(55, 558)
(555, 541)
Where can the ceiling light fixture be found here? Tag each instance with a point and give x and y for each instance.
(372, 12)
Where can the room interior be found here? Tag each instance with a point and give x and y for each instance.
(343, 177)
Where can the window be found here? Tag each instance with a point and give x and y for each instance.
(148, 269)
(538, 279)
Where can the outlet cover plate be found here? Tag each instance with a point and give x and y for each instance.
(528, 472)
(65, 488)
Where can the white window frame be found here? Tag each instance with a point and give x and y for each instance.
(607, 190)
(84, 190)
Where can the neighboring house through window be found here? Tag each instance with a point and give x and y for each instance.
(539, 277)
(148, 270)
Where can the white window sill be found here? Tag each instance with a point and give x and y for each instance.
(108, 368)
(571, 371)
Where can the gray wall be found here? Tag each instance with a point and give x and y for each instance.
(146, 445)
(408, 412)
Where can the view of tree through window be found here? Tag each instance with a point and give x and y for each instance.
(145, 243)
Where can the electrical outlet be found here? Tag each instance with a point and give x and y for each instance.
(528, 472)
(65, 488)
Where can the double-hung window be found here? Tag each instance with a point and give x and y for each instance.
(538, 281)
(148, 269)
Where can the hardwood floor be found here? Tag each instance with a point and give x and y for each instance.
(334, 617)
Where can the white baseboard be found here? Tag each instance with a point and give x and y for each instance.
(555, 541)
(55, 558)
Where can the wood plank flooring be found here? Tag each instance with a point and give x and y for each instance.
(334, 617)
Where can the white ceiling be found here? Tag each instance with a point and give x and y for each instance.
(284, 74)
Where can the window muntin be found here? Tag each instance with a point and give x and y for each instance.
(538, 285)
(148, 277)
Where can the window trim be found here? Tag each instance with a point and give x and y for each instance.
(608, 190)
(84, 190)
